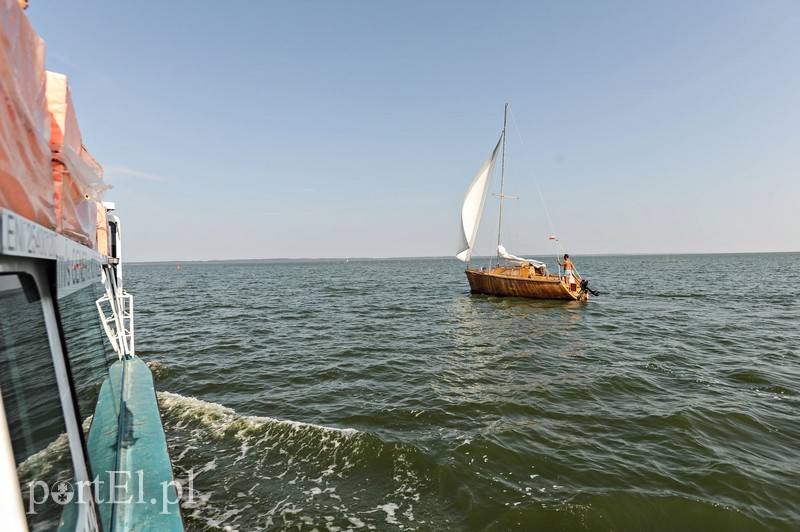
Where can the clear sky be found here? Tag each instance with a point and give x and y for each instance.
(296, 129)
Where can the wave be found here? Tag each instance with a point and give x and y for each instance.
(159, 370)
(255, 472)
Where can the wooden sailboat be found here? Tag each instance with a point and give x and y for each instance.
(517, 277)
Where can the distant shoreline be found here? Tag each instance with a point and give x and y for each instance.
(444, 257)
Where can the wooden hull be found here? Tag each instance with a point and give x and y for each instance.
(517, 281)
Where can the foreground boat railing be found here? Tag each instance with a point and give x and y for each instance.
(116, 306)
(117, 309)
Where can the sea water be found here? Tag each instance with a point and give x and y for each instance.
(381, 395)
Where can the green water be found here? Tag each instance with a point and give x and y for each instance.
(382, 395)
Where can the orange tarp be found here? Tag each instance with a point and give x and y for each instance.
(26, 181)
(77, 177)
(46, 174)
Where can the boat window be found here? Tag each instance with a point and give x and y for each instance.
(32, 407)
(90, 355)
(88, 349)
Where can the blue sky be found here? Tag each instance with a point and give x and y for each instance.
(353, 128)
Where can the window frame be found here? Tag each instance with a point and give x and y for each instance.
(43, 273)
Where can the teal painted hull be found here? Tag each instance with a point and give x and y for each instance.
(128, 454)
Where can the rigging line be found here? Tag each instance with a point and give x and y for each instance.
(535, 181)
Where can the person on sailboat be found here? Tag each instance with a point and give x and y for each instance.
(569, 268)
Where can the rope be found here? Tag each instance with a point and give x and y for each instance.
(533, 174)
(539, 190)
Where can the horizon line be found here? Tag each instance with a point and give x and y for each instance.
(439, 257)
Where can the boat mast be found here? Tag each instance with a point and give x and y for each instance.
(502, 174)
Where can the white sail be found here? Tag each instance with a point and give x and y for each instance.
(473, 206)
